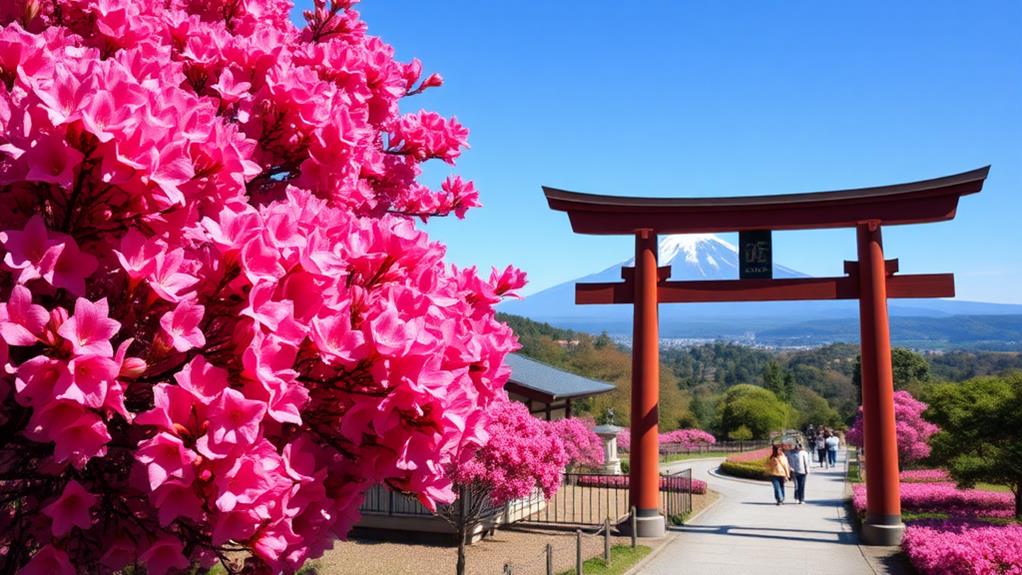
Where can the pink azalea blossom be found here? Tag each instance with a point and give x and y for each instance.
(72, 509)
(164, 555)
(233, 422)
(89, 330)
(48, 561)
(182, 325)
(31, 251)
(165, 457)
(21, 321)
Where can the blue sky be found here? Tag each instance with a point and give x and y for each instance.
(671, 98)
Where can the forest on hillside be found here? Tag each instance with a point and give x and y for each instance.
(818, 385)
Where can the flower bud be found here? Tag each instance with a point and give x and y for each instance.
(132, 367)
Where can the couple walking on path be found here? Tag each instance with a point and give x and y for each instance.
(793, 465)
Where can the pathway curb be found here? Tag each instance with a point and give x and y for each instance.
(652, 554)
(720, 497)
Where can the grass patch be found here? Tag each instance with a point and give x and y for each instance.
(854, 473)
(622, 558)
(993, 487)
(672, 457)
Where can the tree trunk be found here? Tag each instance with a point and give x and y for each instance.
(462, 529)
(1018, 501)
(461, 549)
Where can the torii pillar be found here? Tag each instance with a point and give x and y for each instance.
(644, 484)
(882, 525)
(871, 280)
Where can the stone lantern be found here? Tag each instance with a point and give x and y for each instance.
(608, 433)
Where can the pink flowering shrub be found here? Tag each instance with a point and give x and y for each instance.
(963, 547)
(925, 476)
(946, 498)
(522, 453)
(582, 447)
(219, 324)
(679, 438)
(680, 484)
(913, 432)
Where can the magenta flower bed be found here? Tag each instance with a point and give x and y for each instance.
(685, 438)
(946, 498)
(925, 476)
(960, 547)
(750, 455)
(621, 482)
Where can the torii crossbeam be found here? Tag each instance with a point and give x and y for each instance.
(871, 280)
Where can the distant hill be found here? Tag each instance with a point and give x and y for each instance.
(706, 256)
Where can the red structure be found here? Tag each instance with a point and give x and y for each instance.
(871, 280)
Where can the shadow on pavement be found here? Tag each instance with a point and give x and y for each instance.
(841, 537)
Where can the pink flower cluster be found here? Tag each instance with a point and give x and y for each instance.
(913, 432)
(962, 547)
(747, 456)
(925, 476)
(683, 438)
(219, 324)
(680, 484)
(946, 498)
(582, 446)
(521, 454)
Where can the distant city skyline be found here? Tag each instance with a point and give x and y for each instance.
(702, 99)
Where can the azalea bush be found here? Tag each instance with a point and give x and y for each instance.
(679, 484)
(522, 454)
(219, 323)
(913, 432)
(582, 446)
(963, 547)
(946, 498)
(671, 440)
(925, 476)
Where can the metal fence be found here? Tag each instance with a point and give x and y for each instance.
(719, 447)
(583, 499)
(676, 495)
(587, 499)
(381, 500)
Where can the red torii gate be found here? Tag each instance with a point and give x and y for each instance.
(871, 280)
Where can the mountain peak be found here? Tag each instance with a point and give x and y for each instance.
(690, 245)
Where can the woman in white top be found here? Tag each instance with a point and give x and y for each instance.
(798, 460)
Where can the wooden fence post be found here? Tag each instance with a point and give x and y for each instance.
(578, 552)
(549, 559)
(606, 541)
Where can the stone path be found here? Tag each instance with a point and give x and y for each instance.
(746, 533)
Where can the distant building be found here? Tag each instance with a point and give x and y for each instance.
(548, 392)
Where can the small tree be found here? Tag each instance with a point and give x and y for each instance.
(743, 433)
(754, 407)
(912, 430)
(980, 437)
(522, 454)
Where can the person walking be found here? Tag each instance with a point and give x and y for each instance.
(779, 471)
(821, 449)
(798, 461)
(832, 444)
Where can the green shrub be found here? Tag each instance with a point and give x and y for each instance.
(625, 467)
(755, 469)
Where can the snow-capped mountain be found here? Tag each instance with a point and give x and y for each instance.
(708, 257)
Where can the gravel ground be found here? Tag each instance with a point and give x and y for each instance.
(523, 549)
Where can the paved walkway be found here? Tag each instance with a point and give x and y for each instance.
(746, 533)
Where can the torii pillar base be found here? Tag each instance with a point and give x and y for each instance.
(654, 525)
(875, 533)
